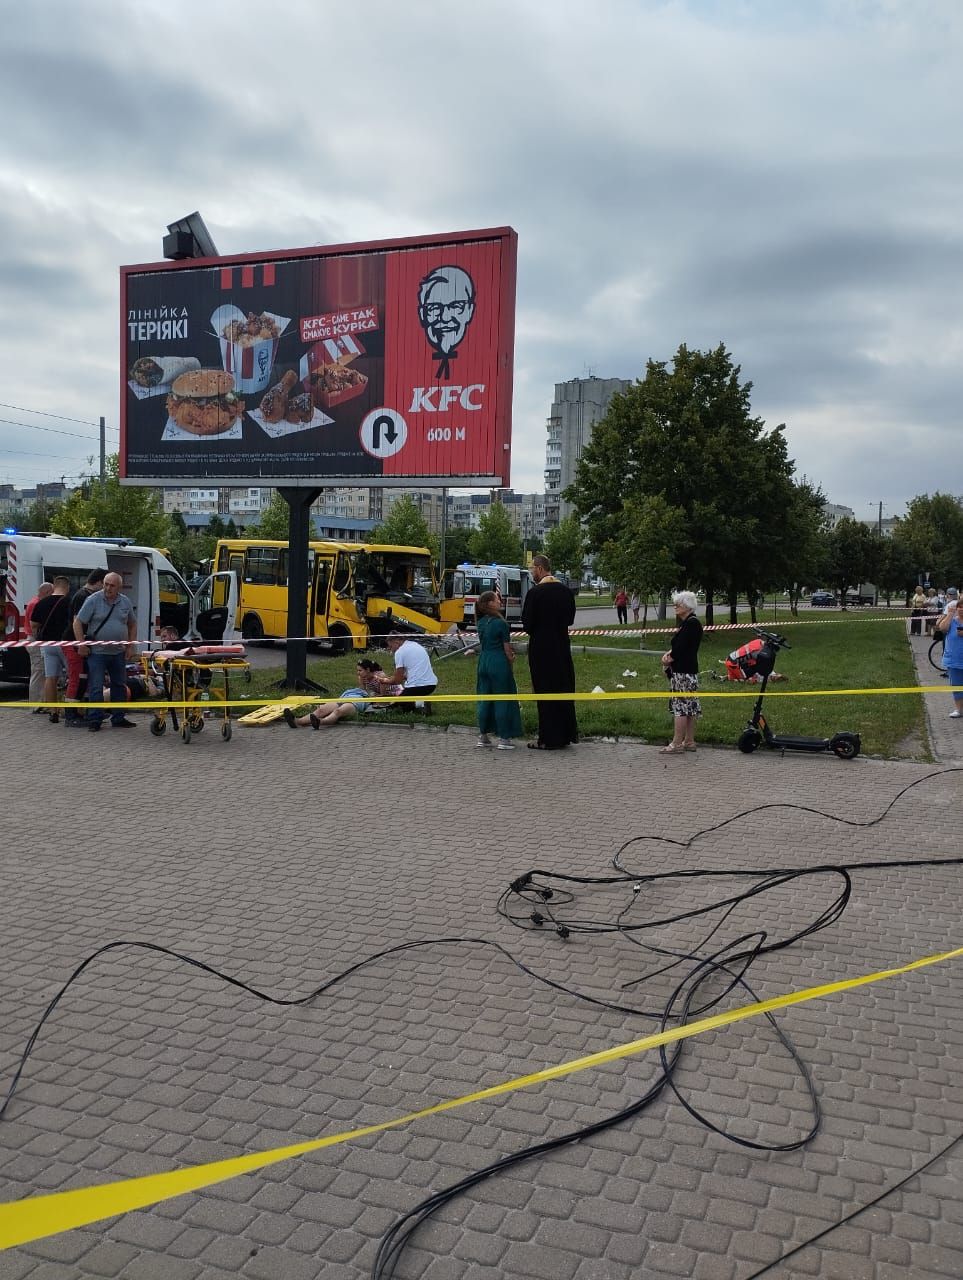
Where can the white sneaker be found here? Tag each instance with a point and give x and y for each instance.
(483, 742)
(505, 745)
(955, 715)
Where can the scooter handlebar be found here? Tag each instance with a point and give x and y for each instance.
(777, 642)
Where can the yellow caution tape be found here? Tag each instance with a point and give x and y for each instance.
(41, 1216)
(740, 690)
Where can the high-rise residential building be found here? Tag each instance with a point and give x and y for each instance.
(192, 501)
(578, 406)
(346, 502)
(466, 509)
(525, 510)
(430, 502)
(246, 505)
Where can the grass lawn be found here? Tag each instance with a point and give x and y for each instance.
(833, 652)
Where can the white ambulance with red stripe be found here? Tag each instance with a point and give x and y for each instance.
(159, 594)
(509, 580)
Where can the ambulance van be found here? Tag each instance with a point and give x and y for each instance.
(159, 594)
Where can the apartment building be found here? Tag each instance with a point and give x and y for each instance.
(578, 405)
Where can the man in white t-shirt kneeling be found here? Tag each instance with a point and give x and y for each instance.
(413, 671)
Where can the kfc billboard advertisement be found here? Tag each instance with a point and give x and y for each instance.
(377, 364)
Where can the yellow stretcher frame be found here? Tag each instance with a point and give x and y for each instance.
(183, 684)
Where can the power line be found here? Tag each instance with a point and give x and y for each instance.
(62, 416)
(24, 453)
(31, 426)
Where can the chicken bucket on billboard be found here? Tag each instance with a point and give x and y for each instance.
(381, 363)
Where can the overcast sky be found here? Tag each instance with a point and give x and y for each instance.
(785, 176)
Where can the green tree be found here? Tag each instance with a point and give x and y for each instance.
(686, 434)
(798, 551)
(274, 521)
(456, 547)
(36, 518)
(216, 527)
(565, 547)
(113, 510)
(854, 556)
(405, 526)
(191, 550)
(644, 556)
(495, 540)
(933, 530)
(898, 571)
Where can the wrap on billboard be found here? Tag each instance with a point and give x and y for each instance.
(381, 363)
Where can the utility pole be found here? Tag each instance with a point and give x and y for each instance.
(103, 455)
(444, 531)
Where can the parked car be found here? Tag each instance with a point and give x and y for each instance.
(824, 599)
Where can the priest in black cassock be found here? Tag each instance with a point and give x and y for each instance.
(547, 614)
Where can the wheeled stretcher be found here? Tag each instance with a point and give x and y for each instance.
(201, 676)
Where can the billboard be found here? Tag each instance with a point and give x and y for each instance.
(385, 363)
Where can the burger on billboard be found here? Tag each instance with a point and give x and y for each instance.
(386, 363)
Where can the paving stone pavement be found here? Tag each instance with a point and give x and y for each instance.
(946, 735)
(283, 858)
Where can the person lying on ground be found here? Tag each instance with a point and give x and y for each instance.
(329, 713)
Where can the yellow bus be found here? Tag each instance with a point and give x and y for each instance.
(356, 591)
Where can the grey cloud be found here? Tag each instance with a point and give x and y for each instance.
(676, 172)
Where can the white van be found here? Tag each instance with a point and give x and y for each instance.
(159, 594)
(509, 580)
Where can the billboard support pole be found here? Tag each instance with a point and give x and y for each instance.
(299, 525)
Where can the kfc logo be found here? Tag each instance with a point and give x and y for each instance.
(446, 304)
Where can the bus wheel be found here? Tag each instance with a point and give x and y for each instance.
(251, 627)
(340, 640)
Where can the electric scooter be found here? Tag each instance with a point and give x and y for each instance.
(757, 732)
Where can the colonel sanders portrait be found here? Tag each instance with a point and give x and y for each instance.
(446, 304)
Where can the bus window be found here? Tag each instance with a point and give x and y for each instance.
(342, 575)
(399, 578)
(322, 578)
(369, 574)
(262, 566)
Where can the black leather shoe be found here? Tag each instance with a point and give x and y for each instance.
(123, 724)
(94, 728)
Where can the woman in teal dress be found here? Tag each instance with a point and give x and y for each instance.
(495, 675)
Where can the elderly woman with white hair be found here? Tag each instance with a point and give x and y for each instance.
(681, 664)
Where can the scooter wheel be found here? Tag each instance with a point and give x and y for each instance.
(845, 745)
(158, 727)
(226, 731)
(186, 731)
(749, 739)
